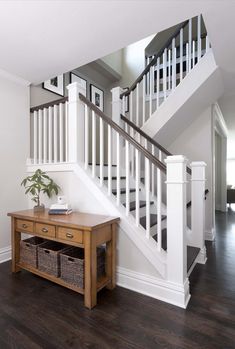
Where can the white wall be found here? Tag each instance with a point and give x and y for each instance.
(14, 135)
(133, 61)
(114, 61)
(196, 144)
(227, 106)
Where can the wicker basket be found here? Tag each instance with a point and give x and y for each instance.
(29, 251)
(72, 265)
(49, 257)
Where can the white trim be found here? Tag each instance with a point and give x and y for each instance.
(154, 287)
(53, 167)
(210, 234)
(5, 254)
(14, 78)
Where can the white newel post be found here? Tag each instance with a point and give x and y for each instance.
(116, 117)
(176, 227)
(198, 209)
(76, 111)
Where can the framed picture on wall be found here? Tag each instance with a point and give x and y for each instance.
(75, 78)
(97, 97)
(55, 85)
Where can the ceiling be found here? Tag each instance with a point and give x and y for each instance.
(41, 39)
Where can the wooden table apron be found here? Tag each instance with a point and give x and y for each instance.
(85, 230)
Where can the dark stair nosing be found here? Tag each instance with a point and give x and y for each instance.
(192, 252)
(153, 220)
(142, 204)
(123, 191)
(90, 164)
(113, 178)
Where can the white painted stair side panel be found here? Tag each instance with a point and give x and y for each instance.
(199, 89)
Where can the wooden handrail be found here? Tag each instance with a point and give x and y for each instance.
(149, 139)
(49, 104)
(142, 133)
(154, 60)
(124, 134)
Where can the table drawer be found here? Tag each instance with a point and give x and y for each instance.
(24, 226)
(70, 234)
(45, 230)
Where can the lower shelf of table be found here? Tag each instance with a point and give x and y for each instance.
(101, 282)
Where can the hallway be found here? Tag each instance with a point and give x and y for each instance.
(31, 317)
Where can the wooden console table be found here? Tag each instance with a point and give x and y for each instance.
(77, 229)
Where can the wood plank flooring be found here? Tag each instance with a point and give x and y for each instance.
(35, 313)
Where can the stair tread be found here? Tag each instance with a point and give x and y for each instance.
(105, 178)
(90, 164)
(123, 191)
(153, 220)
(192, 252)
(142, 204)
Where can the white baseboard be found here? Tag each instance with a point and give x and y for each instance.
(210, 234)
(5, 254)
(154, 287)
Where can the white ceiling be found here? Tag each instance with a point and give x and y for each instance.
(41, 39)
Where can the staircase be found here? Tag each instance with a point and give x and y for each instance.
(130, 174)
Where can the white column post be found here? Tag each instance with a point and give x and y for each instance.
(176, 226)
(197, 238)
(76, 113)
(116, 117)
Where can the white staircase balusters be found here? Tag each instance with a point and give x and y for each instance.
(86, 131)
(169, 71)
(193, 54)
(147, 189)
(35, 137)
(50, 113)
(137, 187)
(93, 144)
(158, 82)
(164, 73)
(45, 159)
(40, 136)
(199, 44)
(61, 131)
(137, 105)
(101, 152)
(118, 168)
(181, 53)
(65, 132)
(127, 150)
(190, 43)
(173, 85)
(159, 205)
(144, 99)
(109, 160)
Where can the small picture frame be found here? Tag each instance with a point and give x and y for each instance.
(97, 97)
(76, 78)
(55, 85)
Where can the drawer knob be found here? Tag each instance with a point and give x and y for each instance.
(44, 230)
(69, 235)
(24, 226)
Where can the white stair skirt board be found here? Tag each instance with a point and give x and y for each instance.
(160, 289)
(199, 89)
(5, 254)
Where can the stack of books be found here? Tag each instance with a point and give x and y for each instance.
(60, 209)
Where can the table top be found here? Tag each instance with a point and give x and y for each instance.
(81, 220)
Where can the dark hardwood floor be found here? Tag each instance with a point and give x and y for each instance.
(35, 313)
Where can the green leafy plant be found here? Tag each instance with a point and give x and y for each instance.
(39, 183)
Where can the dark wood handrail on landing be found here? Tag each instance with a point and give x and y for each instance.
(154, 60)
(149, 139)
(124, 134)
(49, 104)
(143, 134)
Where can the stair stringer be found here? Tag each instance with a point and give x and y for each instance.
(136, 234)
(199, 89)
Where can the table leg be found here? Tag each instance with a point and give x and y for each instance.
(15, 243)
(90, 270)
(111, 258)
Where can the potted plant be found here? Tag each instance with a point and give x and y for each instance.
(39, 183)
